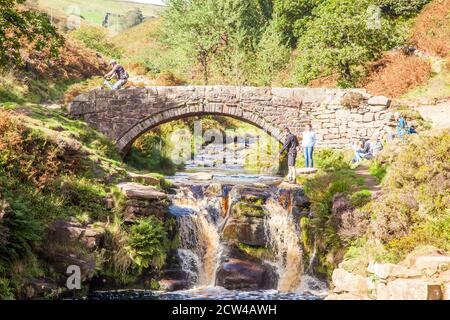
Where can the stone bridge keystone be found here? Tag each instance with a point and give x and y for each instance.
(337, 115)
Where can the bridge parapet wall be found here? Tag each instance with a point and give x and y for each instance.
(338, 116)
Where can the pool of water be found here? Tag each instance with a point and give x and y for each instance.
(212, 293)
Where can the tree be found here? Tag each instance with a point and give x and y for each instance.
(292, 16)
(341, 39)
(272, 55)
(19, 25)
(212, 31)
(133, 18)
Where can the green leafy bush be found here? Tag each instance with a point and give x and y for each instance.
(23, 232)
(97, 38)
(328, 159)
(377, 170)
(341, 39)
(360, 198)
(413, 210)
(5, 290)
(402, 7)
(148, 243)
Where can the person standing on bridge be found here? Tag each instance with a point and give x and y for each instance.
(308, 143)
(119, 72)
(290, 145)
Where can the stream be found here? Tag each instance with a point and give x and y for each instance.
(221, 207)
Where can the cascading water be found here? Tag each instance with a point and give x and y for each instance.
(283, 239)
(200, 247)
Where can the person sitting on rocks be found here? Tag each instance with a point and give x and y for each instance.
(401, 124)
(362, 151)
(375, 146)
(119, 72)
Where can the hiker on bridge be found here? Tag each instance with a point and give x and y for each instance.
(290, 145)
(119, 72)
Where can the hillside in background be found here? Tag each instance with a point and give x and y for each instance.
(95, 11)
(424, 73)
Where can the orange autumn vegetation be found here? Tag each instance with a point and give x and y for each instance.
(19, 143)
(75, 62)
(431, 32)
(396, 73)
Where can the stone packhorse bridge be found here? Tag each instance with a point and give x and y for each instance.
(338, 116)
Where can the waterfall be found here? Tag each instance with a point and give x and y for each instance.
(200, 247)
(283, 238)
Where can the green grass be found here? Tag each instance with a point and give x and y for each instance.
(94, 11)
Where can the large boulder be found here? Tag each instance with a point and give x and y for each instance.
(432, 263)
(138, 191)
(345, 281)
(390, 270)
(239, 271)
(410, 289)
(71, 231)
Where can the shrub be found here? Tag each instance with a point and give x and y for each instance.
(360, 198)
(148, 243)
(96, 38)
(377, 170)
(5, 290)
(402, 7)
(84, 196)
(395, 74)
(328, 160)
(413, 210)
(431, 30)
(23, 232)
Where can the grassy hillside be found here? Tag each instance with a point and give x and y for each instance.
(94, 11)
(424, 75)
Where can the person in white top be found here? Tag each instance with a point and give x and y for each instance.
(308, 143)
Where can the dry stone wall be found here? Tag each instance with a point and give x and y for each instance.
(338, 116)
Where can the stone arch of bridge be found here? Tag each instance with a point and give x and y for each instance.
(125, 142)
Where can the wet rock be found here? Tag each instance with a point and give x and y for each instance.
(40, 287)
(135, 209)
(345, 281)
(239, 271)
(243, 209)
(138, 191)
(249, 231)
(201, 176)
(214, 190)
(173, 284)
(60, 258)
(249, 194)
